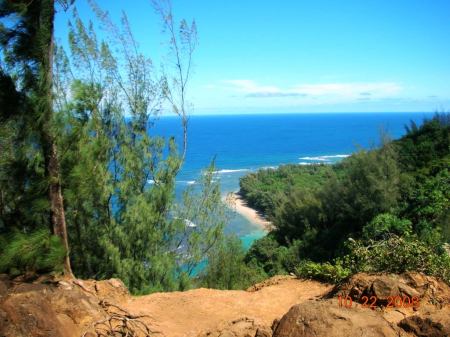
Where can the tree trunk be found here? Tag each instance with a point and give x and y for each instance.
(52, 169)
(58, 217)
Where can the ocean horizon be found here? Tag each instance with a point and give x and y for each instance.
(245, 143)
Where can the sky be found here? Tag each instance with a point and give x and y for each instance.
(260, 56)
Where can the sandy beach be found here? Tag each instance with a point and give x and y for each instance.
(235, 202)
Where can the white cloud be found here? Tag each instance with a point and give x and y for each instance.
(351, 89)
(318, 93)
(251, 87)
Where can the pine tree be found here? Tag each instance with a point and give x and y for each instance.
(79, 157)
(118, 180)
(30, 44)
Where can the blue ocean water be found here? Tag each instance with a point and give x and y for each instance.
(244, 143)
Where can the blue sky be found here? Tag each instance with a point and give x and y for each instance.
(304, 56)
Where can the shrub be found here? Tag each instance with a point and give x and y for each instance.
(396, 255)
(268, 255)
(226, 268)
(385, 224)
(38, 251)
(327, 272)
(393, 254)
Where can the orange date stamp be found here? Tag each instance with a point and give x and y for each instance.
(372, 302)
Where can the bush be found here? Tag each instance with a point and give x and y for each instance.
(385, 224)
(397, 255)
(273, 258)
(226, 268)
(38, 251)
(327, 272)
(394, 254)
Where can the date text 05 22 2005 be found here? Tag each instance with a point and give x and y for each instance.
(371, 302)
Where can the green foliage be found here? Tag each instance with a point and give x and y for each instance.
(273, 258)
(358, 189)
(392, 254)
(384, 224)
(267, 188)
(24, 201)
(368, 186)
(37, 251)
(398, 254)
(427, 196)
(423, 146)
(326, 272)
(393, 201)
(26, 36)
(226, 268)
(203, 208)
(117, 179)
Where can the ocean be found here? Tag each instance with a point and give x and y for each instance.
(245, 143)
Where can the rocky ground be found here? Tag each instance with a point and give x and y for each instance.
(279, 307)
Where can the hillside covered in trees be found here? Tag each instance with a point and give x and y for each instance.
(86, 189)
(385, 209)
(90, 215)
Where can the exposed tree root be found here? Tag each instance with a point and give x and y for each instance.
(119, 323)
(82, 286)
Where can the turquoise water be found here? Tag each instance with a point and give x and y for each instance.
(245, 143)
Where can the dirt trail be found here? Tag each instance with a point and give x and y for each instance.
(62, 307)
(188, 313)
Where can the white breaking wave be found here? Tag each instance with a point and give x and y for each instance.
(325, 158)
(230, 171)
(189, 182)
(315, 163)
(151, 181)
(314, 158)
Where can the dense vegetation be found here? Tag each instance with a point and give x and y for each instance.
(86, 189)
(81, 177)
(386, 209)
(264, 189)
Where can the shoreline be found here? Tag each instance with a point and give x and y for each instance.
(234, 201)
